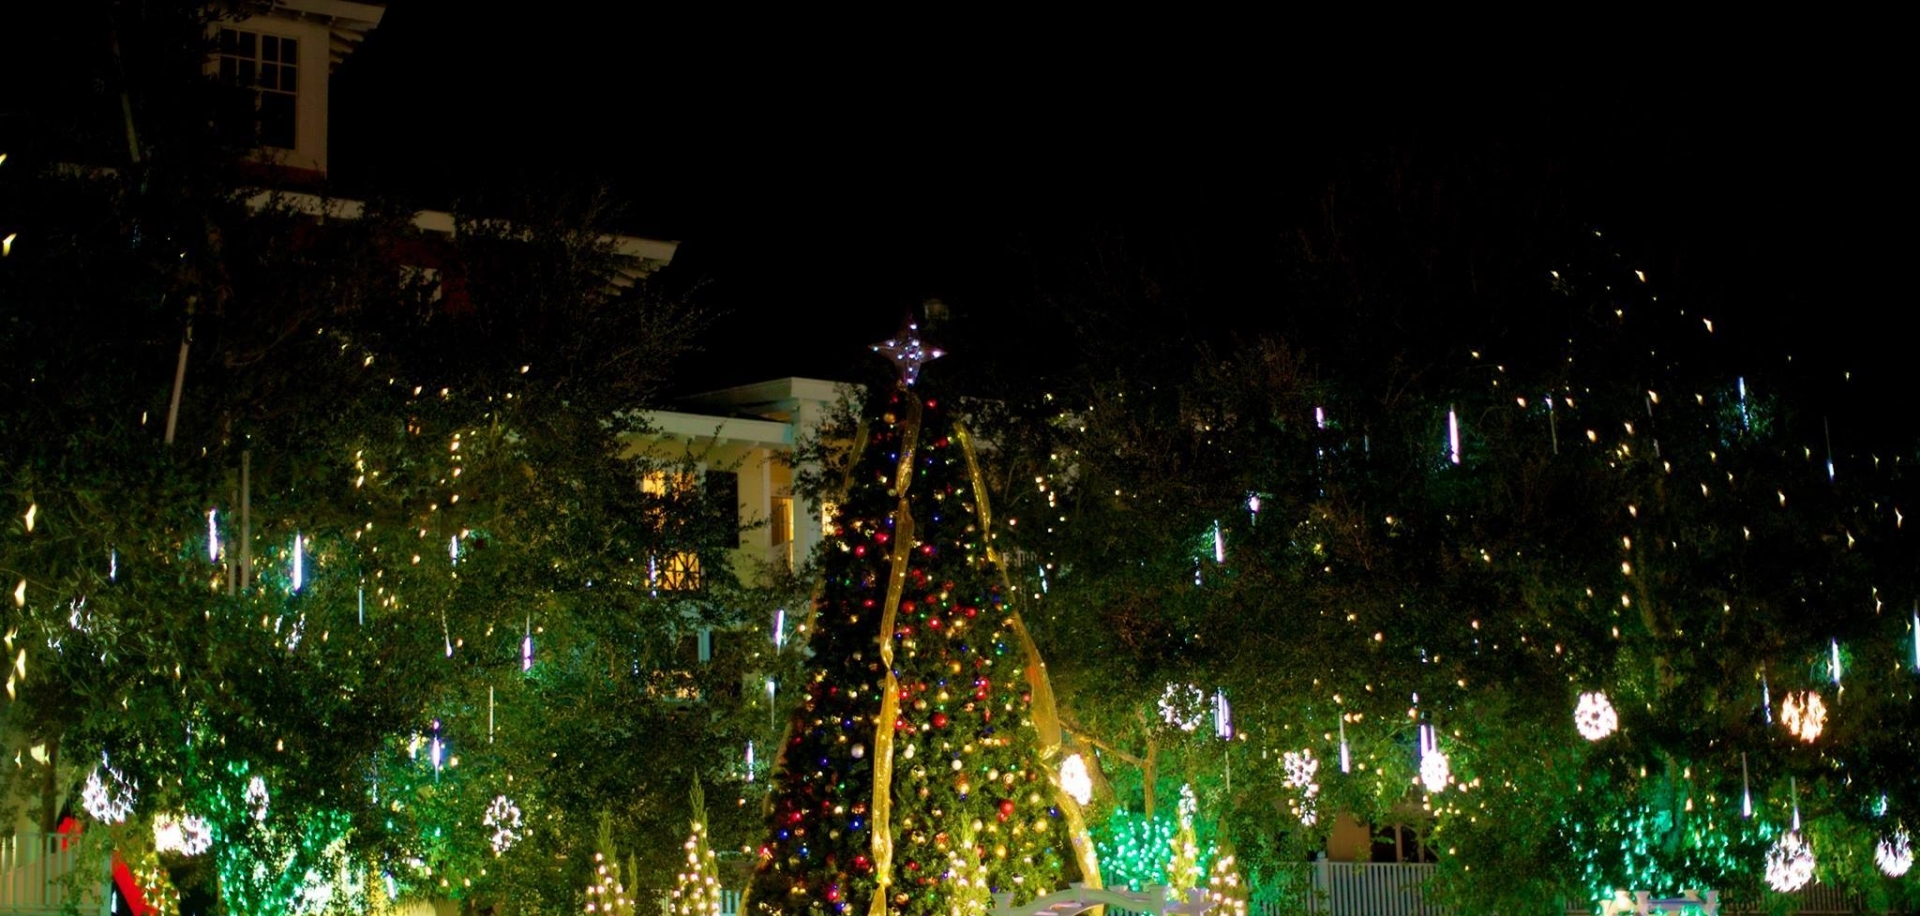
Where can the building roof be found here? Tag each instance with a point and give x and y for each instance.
(347, 21)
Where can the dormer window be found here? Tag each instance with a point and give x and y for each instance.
(266, 67)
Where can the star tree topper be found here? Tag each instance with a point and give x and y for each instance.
(908, 352)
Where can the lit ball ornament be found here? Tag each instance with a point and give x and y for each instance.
(504, 817)
(1075, 779)
(1894, 855)
(186, 834)
(1301, 768)
(1789, 863)
(108, 795)
(256, 798)
(1804, 715)
(1183, 706)
(1594, 716)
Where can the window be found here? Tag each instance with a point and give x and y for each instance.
(676, 572)
(781, 524)
(266, 68)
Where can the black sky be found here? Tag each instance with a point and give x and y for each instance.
(825, 170)
(854, 173)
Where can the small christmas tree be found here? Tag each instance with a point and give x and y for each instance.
(696, 890)
(913, 771)
(606, 894)
(1226, 887)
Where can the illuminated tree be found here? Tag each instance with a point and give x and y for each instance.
(914, 772)
(696, 890)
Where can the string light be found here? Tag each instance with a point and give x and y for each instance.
(1182, 705)
(213, 536)
(1222, 715)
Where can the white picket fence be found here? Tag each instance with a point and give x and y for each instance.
(31, 866)
(1392, 889)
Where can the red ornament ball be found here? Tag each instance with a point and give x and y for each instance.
(1006, 808)
(939, 720)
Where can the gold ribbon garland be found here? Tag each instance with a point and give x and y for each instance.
(1046, 716)
(890, 693)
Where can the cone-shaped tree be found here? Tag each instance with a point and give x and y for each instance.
(913, 770)
(696, 890)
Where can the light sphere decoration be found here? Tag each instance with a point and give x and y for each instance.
(504, 817)
(186, 834)
(1301, 769)
(1894, 854)
(1789, 863)
(108, 795)
(256, 798)
(1075, 780)
(1804, 715)
(1595, 717)
(1183, 706)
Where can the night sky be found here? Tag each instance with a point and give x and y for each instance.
(824, 174)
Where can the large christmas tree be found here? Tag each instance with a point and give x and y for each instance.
(914, 778)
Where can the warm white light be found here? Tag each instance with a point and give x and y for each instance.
(1595, 716)
(1182, 706)
(186, 834)
(1075, 780)
(1894, 855)
(108, 795)
(1804, 715)
(1789, 863)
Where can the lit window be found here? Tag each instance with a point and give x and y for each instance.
(676, 572)
(267, 67)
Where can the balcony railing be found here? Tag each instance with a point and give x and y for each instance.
(32, 869)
